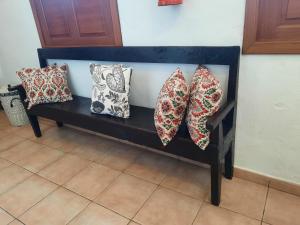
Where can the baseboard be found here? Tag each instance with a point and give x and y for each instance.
(272, 182)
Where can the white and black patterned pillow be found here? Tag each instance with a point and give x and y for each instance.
(110, 91)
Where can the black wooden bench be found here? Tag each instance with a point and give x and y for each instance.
(139, 128)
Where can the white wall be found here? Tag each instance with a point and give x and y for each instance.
(19, 38)
(1, 76)
(268, 128)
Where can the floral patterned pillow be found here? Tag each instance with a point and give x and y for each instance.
(205, 99)
(46, 85)
(170, 106)
(110, 91)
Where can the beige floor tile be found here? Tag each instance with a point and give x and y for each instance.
(11, 176)
(244, 197)
(90, 151)
(5, 218)
(97, 215)
(3, 132)
(12, 130)
(119, 156)
(64, 139)
(189, 179)
(3, 129)
(3, 118)
(211, 215)
(9, 141)
(58, 208)
(4, 122)
(64, 169)
(168, 208)
(152, 167)
(16, 222)
(92, 180)
(4, 163)
(282, 208)
(39, 160)
(27, 131)
(23, 196)
(21, 151)
(126, 195)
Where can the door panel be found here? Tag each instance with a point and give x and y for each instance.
(272, 26)
(90, 18)
(77, 22)
(293, 11)
(55, 21)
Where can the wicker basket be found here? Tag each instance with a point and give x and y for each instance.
(13, 107)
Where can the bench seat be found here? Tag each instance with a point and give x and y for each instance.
(139, 128)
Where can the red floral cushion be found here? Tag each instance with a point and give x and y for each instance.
(170, 107)
(205, 99)
(45, 85)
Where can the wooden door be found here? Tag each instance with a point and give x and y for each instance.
(272, 26)
(77, 22)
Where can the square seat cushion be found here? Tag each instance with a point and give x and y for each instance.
(170, 107)
(110, 91)
(46, 85)
(205, 99)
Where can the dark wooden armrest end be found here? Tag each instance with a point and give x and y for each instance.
(15, 88)
(20, 89)
(217, 118)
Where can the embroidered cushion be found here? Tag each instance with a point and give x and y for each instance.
(46, 85)
(110, 91)
(170, 106)
(205, 98)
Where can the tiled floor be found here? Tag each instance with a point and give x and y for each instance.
(70, 177)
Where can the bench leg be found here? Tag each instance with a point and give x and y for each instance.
(35, 125)
(229, 161)
(59, 124)
(216, 180)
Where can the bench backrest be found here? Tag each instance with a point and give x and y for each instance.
(182, 55)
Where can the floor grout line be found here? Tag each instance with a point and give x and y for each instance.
(79, 213)
(9, 214)
(267, 195)
(12, 187)
(142, 206)
(121, 172)
(27, 210)
(158, 186)
(239, 213)
(15, 144)
(16, 219)
(201, 206)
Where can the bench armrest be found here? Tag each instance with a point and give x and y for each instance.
(217, 118)
(15, 88)
(20, 90)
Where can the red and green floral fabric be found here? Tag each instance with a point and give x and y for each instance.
(171, 106)
(205, 99)
(46, 85)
